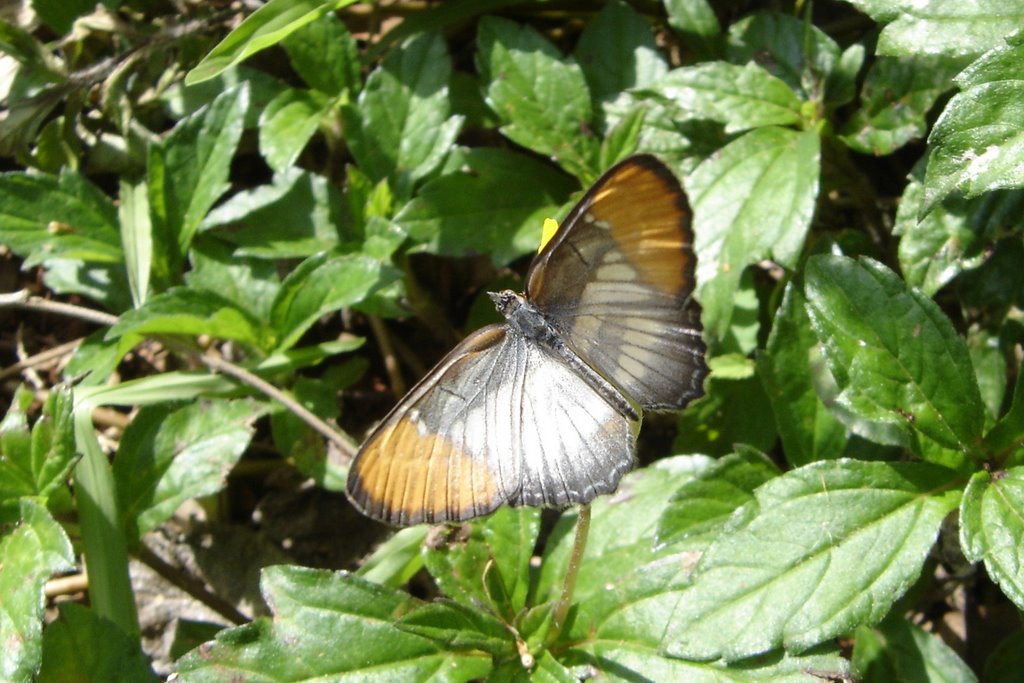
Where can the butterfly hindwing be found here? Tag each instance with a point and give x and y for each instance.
(617, 280)
(499, 420)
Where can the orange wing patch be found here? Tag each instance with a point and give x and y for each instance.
(647, 216)
(406, 477)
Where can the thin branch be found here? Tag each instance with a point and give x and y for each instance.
(191, 585)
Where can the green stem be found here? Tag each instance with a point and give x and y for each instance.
(572, 571)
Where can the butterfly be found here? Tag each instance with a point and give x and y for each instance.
(544, 409)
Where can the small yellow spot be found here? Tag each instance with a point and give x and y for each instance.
(550, 228)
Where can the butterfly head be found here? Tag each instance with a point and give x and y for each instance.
(506, 301)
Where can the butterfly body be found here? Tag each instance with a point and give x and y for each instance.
(544, 409)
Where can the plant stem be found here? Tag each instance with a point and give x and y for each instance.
(572, 571)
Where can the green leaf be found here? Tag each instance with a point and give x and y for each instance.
(947, 27)
(617, 52)
(331, 624)
(37, 462)
(495, 203)
(977, 145)
(136, 238)
(788, 366)
(856, 537)
(740, 97)
(753, 200)
(288, 123)
(883, 343)
(797, 52)
(322, 284)
(168, 456)
(696, 24)
(898, 650)
(325, 54)
(702, 506)
(731, 412)
(897, 95)
(540, 96)
(397, 559)
(193, 312)
(400, 128)
(45, 217)
(249, 283)
(267, 26)
(36, 548)
(622, 140)
(620, 564)
(500, 545)
(59, 15)
(459, 627)
(953, 236)
(296, 215)
(991, 529)
(111, 655)
(188, 172)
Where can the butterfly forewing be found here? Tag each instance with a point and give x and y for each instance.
(617, 280)
(499, 420)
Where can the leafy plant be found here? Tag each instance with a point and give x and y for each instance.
(219, 197)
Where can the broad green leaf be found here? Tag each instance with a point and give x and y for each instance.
(800, 54)
(753, 200)
(696, 23)
(188, 172)
(992, 529)
(882, 342)
(898, 650)
(953, 236)
(788, 366)
(897, 94)
(322, 284)
(267, 26)
(502, 545)
(400, 128)
(288, 123)
(459, 627)
(45, 217)
(540, 96)
(856, 537)
(617, 52)
(111, 656)
(34, 463)
(1005, 435)
(32, 551)
(325, 54)
(620, 562)
(731, 412)
(334, 626)
(619, 658)
(170, 455)
(977, 145)
(249, 283)
(296, 215)
(702, 506)
(740, 97)
(495, 203)
(180, 101)
(303, 446)
(951, 27)
(189, 311)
